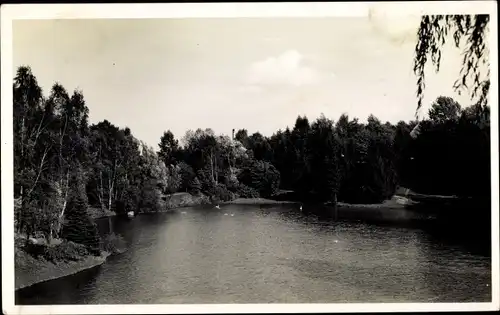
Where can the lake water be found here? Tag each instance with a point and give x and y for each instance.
(256, 254)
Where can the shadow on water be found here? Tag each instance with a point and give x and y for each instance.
(251, 254)
(69, 288)
(466, 222)
(454, 223)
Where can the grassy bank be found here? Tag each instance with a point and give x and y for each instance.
(30, 271)
(42, 262)
(36, 261)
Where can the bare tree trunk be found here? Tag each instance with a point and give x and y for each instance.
(65, 203)
(20, 211)
(335, 208)
(111, 182)
(110, 194)
(216, 171)
(212, 165)
(21, 167)
(49, 241)
(40, 169)
(125, 187)
(100, 191)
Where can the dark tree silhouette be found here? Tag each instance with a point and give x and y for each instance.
(169, 148)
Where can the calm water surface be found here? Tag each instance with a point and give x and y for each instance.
(252, 254)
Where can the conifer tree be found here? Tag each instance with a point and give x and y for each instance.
(79, 227)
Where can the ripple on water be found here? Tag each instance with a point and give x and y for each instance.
(272, 255)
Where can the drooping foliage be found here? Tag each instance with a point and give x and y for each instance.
(470, 31)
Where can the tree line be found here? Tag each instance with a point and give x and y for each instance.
(64, 166)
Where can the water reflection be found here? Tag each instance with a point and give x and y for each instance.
(68, 289)
(271, 254)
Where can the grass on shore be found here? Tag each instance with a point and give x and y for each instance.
(40, 262)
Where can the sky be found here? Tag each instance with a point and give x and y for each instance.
(153, 75)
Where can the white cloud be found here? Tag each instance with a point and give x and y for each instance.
(286, 69)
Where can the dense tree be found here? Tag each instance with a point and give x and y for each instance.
(452, 157)
(156, 180)
(169, 148)
(262, 176)
(187, 175)
(30, 159)
(63, 166)
(283, 156)
(108, 162)
(444, 109)
(301, 178)
(324, 157)
(242, 136)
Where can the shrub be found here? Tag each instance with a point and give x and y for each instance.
(194, 186)
(245, 191)
(230, 179)
(63, 252)
(113, 244)
(221, 193)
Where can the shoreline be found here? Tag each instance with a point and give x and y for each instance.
(257, 201)
(37, 271)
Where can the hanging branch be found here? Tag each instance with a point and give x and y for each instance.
(432, 35)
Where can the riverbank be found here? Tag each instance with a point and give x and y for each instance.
(184, 199)
(257, 201)
(396, 209)
(30, 270)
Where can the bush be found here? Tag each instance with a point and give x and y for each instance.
(230, 179)
(221, 193)
(64, 252)
(113, 244)
(194, 186)
(247, 192)
(151, 197)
